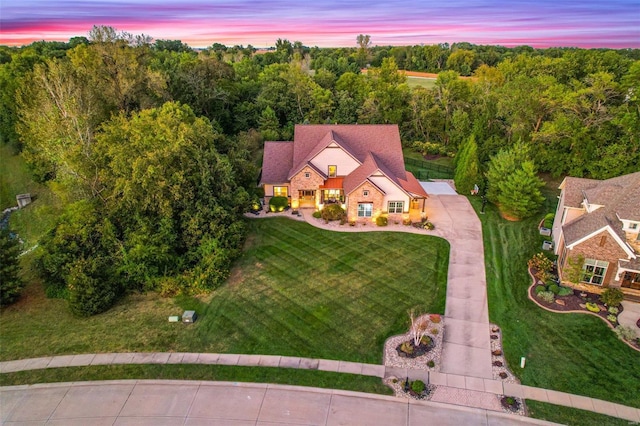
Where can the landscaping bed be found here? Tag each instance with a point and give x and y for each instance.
(576, 301)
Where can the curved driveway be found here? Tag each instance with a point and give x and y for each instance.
(149, 402)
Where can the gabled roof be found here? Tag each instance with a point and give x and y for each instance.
(619, 198)
(375, 147)
(620, 195)
(589, 225)
(276, 163)
(355, 139)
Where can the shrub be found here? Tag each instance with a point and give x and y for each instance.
(625, 333)
(431, 363)
(382, 221)
(542, 264)
(278, 204)
(429, 226)
(435, 318)
(613, 310)
(539, 289)
(406, 222)
(547, 296)
(565, 291)
(548, 220)
(418, 386)
(425, 340)
(317, 214)
(554, 288)
(406, 347)
(592, 307)
(612, 318)
(434, 331)
(611, 297)
(333, 212)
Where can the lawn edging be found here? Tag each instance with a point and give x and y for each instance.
(533, 284)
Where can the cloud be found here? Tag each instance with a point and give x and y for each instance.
(541, 23)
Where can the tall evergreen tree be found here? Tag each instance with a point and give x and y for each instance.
(10, 282)
(513, 184)
(467, 167)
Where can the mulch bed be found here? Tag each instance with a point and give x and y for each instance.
(420, 350)
(573, 301)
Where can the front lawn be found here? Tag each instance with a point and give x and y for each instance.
(571, 353)
(297, 290)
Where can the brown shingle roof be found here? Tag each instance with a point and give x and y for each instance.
(573, 190)
(376, 147)
(358, 140)
(619, 196)
(276, 162)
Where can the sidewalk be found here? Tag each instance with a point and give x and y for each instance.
(156, 402)
(472, 384)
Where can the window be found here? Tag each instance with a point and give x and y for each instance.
(365, 193)
(594, 271)
(333, 171)
(279, 191)
(365, 209)
(395, 207)
(307, 175)
(633, 225)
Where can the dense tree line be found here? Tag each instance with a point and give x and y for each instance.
(154, 145)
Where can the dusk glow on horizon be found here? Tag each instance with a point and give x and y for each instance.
(332, 23)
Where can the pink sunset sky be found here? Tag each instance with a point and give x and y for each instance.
(332, 23)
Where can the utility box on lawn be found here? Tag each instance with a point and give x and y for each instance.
(547, 245)
(189, 317)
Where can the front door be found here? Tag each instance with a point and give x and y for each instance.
(631, 280)
(307, 198)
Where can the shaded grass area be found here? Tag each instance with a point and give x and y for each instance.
(297, 290)
(314, 378)
(571, 353)
(35, 219)
(571, 416)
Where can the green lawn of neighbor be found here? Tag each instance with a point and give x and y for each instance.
(297, 290)
(427, 83)
(572, 353)
(571, 416)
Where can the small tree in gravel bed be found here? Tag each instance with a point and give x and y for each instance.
(419, 327)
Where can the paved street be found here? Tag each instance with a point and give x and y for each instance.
(130, 402)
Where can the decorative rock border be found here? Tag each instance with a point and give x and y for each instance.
(391, 358)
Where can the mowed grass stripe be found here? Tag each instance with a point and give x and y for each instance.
(296, 290)
(571, 353)
(325, 294)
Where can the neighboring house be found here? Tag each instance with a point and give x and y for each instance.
(358, 166)
(597, 224)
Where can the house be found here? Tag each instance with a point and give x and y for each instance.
(597, 224)
(361, 167)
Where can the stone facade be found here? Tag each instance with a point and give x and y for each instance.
(299, 183)
(607, 249)
(375, 196)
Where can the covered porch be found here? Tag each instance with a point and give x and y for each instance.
(332, 191)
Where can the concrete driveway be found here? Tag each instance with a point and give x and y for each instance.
(150, 402)
(467, 344)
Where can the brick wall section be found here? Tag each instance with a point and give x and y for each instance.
(610, 252)
(299, 182)
(375, 196)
